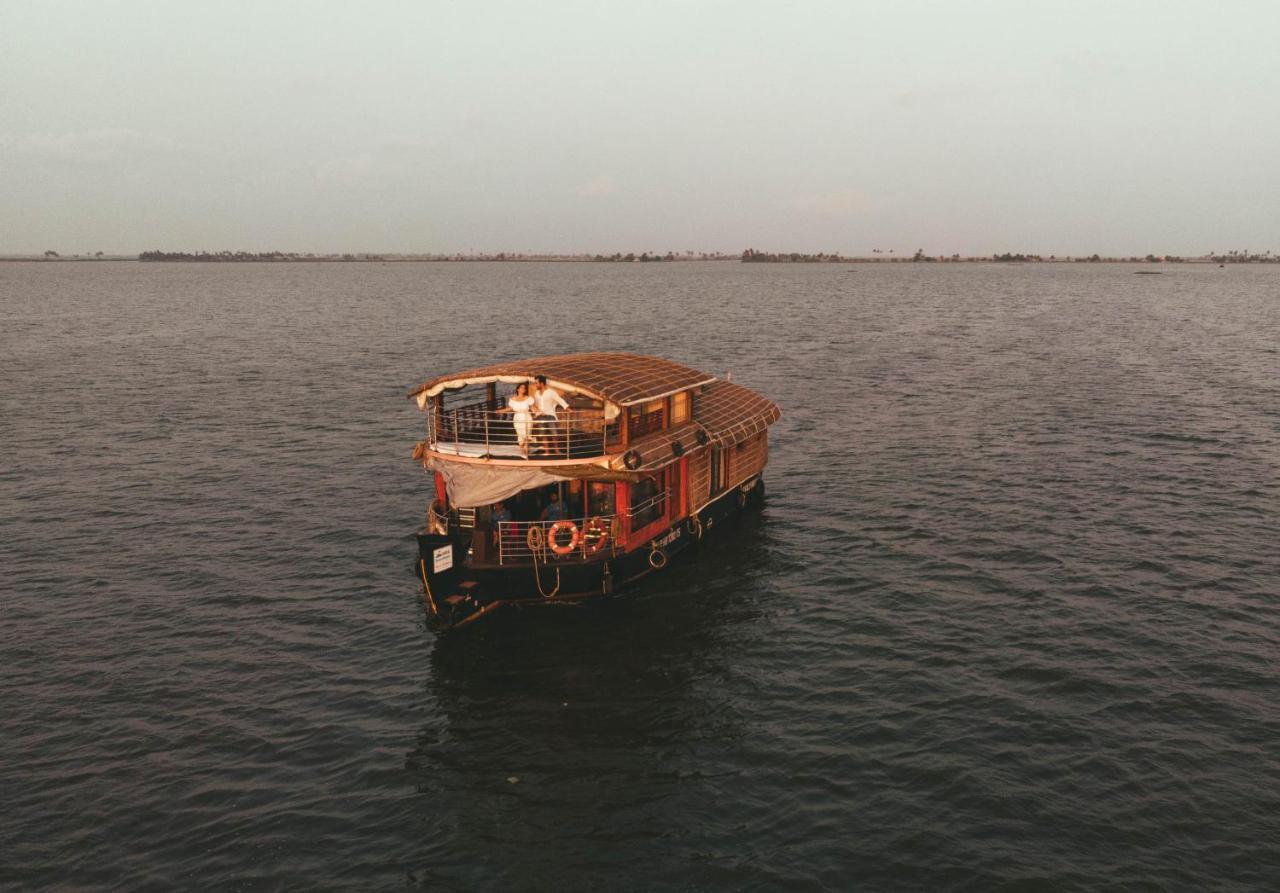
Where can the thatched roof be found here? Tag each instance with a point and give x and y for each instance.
(621, 378)
(727, 412)
(730, 413)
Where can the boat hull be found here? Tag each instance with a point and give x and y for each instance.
(456, 596)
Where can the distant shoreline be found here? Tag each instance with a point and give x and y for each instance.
(749, 256)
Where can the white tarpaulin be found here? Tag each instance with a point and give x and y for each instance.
(471, 486)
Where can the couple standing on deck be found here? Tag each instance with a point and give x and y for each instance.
(545, 400)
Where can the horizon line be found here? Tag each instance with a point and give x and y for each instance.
(747, 255)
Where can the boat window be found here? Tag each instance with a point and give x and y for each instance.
(679, 407)
(573, 498)
(648, 500)
(642, 420)
(600, 499)
(613, 431)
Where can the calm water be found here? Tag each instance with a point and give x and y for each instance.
(1010, 620)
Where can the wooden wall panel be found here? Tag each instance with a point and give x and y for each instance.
(699, 479)
(748, 458)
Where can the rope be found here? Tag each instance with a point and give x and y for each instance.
(535, 535)
(695, 526)
(436, 522)
(422, 565)
(535, 538)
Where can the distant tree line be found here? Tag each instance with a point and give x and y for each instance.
(248, 256)
(627, 258)
(751, 256)
(647, 256)
(1244, 257)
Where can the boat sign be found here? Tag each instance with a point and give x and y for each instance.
(442, 559)
(667, 540)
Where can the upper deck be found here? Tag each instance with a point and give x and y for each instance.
(479, 430)
(620, 405)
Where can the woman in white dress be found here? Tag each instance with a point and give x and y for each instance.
(521, 403)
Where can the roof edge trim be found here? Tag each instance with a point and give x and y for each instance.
(666, 394)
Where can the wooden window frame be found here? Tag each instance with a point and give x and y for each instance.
(660, 523)
(651, 418)
(682, 398)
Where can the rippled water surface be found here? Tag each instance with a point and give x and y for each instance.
(1009, 620)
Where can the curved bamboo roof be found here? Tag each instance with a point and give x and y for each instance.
(726, 411)
(731, 413)
(621, 378)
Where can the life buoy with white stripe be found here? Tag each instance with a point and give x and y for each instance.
(553, 540)
(595, 533)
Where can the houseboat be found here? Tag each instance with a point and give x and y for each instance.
(562, 478)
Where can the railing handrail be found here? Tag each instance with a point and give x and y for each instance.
(513, 546)
(660, 496)
(471, 409)
(571, 433)
(513, 539)
(579, 522)
(496, 401)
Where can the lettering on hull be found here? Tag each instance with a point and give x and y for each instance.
(667, 540)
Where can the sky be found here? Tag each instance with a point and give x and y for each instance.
(436, 127)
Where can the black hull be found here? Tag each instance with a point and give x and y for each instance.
(462, 595)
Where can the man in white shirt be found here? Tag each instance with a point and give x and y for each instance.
(546, 400)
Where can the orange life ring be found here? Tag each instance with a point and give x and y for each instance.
(554, 543)
(595, 533)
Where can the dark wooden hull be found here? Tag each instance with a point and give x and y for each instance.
(463, 594)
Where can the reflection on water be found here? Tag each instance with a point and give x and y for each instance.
(589, 706)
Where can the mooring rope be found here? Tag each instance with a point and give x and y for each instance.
(537, 543)
(422, 564)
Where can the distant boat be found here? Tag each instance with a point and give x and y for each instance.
(1147, 273)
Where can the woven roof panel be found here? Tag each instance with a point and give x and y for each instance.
(731, 413)
(656, 449)
(620, 377)
(728, 412)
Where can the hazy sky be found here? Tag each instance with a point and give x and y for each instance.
(1067, 128)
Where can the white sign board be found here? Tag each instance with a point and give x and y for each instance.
(442, 559)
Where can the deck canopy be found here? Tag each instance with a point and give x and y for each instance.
(622, 379)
